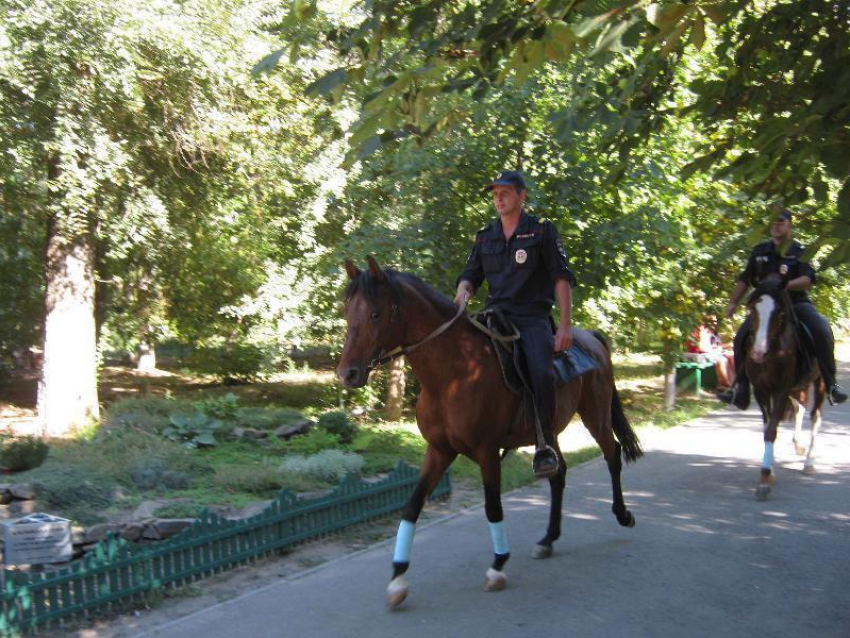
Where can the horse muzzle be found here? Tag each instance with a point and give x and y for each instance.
(352, 377)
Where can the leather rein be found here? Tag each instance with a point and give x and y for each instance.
(401, 351)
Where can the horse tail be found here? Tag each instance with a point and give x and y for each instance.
(622, 428)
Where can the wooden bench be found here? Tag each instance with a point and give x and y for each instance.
(690, 371)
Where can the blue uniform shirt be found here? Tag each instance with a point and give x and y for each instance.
(522, 271)
(765, 260)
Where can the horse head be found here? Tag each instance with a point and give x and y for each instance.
(769, 308)
(371, 307)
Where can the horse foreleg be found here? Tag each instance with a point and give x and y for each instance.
(557, 483)
(491, 475)
(774, 411)
(435, 464)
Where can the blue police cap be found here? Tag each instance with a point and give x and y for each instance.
(508, 178)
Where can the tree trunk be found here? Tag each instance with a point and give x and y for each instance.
(670, 388)
(67, 391)
(395, 391)
(146, 356)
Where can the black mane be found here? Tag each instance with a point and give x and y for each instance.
(772, 287)
(367, 285)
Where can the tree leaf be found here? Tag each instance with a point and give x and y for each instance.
(326, 83)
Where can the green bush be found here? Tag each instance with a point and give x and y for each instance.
(266, 419)
(338, 423)
(262, 480)
(239, 363)
(328, 465)
(23, 454)
(149, 414)
(77, 493)
(221, 407)
(314, 441)
(193, 431)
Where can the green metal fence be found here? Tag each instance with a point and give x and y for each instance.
(118, 572)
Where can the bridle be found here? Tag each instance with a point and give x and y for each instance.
(401, 351)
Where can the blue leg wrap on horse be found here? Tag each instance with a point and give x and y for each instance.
(767, 463)
(404, 542)
(500, 538)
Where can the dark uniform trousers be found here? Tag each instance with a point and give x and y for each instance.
(538, 345)
(824, 341)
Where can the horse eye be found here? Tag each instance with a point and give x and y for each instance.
(375, 315)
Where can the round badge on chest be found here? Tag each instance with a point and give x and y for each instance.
(521, 256)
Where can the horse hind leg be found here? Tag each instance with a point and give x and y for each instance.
(557, 484)
(602, 425)
(815, 419)
(799, 411)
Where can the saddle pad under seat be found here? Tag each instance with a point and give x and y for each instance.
(574, 362)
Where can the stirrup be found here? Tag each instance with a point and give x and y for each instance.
(835, 394)
(545, 463)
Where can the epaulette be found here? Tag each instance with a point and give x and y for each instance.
(484, 227)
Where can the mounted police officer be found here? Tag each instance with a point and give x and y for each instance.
(781, 255)
(523, 260)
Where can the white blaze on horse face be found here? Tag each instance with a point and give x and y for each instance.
(764, 308)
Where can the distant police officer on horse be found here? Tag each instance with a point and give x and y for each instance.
(781, 256)
(523, 260)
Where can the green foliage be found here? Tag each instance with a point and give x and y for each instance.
(327, 465)
(79, 492)
(238, 363)
(22, 454)
(313, 442)
(266, 418)
(260, 479)
(147, 414)
(219, 407)
(339, 424)
(197, 430)
(151, 473)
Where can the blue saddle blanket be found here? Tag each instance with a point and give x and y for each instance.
(574, 362)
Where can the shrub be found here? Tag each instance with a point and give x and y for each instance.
(265, 419)
(221, 407)
(23, 454)
(239, 363)
(338, 423)
(314, 441)
(150, 414)
(262, 480)
(74, 492)
(328, 465)
(194, 431)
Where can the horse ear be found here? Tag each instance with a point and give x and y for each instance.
(352, 269)
(375, 269)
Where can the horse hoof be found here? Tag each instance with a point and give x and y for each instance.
(799, 449)
(809, 468)
(496, 580)
(762, 492)
(542, 551)
(396, 592)
(630, 522)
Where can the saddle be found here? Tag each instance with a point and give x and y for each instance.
(504, 335)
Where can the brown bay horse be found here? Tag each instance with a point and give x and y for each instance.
(464, 406)
(782, 383)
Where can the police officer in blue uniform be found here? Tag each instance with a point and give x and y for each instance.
(781, 255)
(523, 261)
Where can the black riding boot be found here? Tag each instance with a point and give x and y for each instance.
(738, 395)
(545, 464)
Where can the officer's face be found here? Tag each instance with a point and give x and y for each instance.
(781, 229)
(507, 199)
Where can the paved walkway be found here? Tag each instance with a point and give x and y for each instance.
(705, 559)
